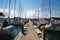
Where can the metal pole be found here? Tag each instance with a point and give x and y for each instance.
(5, 7)
(25, 14)
(44, 8)
(9, 8)
(42, 34)
(50, 8)
(14, 7)
(19, 10)
(38, 14)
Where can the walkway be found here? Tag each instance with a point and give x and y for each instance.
(31, 33)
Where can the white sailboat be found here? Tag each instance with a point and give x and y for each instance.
(4, 27)
(54, 22)
(54, 25)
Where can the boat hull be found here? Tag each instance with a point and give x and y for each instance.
(7, 30)
(53, 28)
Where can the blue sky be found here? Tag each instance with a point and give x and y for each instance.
(32, 5)
(26, 4)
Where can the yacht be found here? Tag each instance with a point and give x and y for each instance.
(54, 25)
(4, 27)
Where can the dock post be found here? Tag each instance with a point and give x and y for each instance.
(43, 34)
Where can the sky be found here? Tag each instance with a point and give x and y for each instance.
(30, 8)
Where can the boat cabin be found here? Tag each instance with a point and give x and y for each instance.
(1, 15)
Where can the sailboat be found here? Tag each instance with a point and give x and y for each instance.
(54, 24)
(5, 28)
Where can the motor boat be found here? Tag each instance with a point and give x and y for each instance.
(6, 30)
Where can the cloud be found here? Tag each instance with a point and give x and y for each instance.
(34, 14)
(29, 13)
(6, 12)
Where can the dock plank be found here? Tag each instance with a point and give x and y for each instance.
(31, 33)
(19, 36)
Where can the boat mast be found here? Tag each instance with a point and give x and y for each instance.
(19, 13)
(38, 14)
(9, 8)
(25, 14)
(14, 7)
(5, 6)
(44, 8)
(20, 10)
(50, 9)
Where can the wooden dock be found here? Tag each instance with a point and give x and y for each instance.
(31, 33)
(19, 36)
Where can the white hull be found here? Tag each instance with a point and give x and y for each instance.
(7, 30)
(53, 28)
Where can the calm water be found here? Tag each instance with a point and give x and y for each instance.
(51, 35)
(17, 29)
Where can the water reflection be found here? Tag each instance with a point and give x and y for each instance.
(16, 30)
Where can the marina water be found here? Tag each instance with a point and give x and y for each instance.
(51, 35)
(17, 29)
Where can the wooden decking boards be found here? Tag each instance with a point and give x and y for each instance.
(31, 33)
